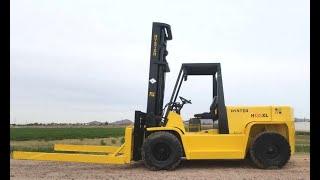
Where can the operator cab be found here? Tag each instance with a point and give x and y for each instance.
(217, 109)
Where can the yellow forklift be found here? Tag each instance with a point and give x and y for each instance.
(265, 134)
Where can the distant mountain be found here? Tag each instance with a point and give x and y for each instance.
(122, 122)
(95, 123)
(301, 120)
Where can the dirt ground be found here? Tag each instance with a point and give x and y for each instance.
(297, 168)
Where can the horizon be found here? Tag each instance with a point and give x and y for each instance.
(106, 121)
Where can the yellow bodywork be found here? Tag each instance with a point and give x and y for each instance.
(210, 144)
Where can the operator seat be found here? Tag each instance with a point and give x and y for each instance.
(212, 114)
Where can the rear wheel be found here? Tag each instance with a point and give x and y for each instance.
(270, 150)
(161, 150)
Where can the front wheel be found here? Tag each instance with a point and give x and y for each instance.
(161, 150)
(270, 150)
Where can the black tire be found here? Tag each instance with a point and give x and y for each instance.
(270, 150)
(161, 150)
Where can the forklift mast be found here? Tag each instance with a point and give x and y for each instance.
(158, 68)
(161, 33)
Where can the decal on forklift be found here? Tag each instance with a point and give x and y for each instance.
(152, 94)
(259, 115)
(152, 81)
(239, 110)
(155, 42)
(277, 110)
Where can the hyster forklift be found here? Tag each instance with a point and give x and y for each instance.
(264, 134)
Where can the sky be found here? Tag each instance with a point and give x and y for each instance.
(81, 61)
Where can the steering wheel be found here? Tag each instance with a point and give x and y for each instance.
(185, 101)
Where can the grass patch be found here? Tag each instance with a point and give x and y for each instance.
(23, 134)
(122, 140)
(303, 133)
(303, 148)
(102, 142)
(47, 148)
(302, 142)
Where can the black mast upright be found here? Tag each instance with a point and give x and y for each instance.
(161, 32)
(158, 67)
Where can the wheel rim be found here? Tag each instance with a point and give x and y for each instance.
(271, 151)
(161, 151)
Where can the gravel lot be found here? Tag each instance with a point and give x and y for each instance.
(297, 168)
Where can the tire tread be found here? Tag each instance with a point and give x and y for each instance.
(260, 164)
(157, 135)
